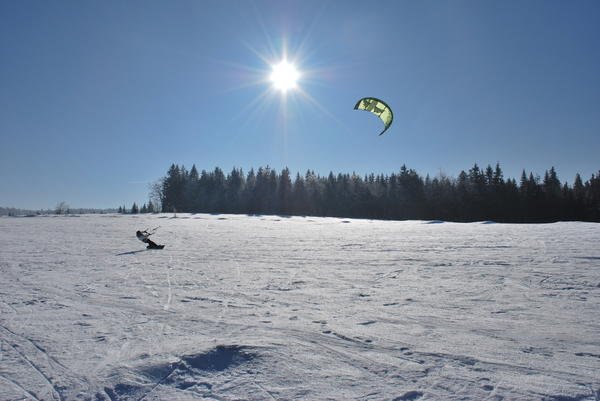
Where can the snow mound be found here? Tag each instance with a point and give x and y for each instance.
(193, 373)
(410, 396)
(220, 358)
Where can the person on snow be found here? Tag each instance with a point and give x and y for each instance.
(144, 236)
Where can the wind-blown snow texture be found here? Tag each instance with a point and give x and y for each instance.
(275, 308)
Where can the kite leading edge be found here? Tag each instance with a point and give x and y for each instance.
(377, 107)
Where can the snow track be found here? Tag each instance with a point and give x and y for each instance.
(273, 308)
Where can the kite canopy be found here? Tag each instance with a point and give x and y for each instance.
(377, 107)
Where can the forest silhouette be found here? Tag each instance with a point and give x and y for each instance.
(475, 195)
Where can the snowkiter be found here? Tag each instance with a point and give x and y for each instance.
(144, 236)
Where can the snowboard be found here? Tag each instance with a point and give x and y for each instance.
(155, 247)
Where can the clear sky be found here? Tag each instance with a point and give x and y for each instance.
(98, 98)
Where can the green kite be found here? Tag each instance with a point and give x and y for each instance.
(377, 107)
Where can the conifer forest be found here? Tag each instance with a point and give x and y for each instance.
(475, 195)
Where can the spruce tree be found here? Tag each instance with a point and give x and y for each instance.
(234, 187)
(249, 193)
(284, 192)
(191, 190)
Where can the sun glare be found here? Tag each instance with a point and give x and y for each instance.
(284, 76)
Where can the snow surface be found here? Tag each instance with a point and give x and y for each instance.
(291, 308)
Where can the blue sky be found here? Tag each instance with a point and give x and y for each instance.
(97, 99)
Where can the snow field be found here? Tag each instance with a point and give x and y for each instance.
(297, 308)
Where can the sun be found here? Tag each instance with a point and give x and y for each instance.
(284, 76)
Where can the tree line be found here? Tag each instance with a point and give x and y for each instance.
(475, 195)
(135, 209)
(60, 208)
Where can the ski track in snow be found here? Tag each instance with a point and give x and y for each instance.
(290, 308)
